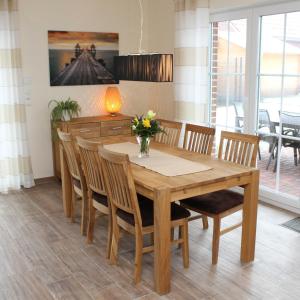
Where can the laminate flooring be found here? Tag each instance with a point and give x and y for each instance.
(43, 256)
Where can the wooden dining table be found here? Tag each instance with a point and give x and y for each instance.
(166, 189)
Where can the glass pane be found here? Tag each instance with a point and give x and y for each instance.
(230, 113)
(290, 115)
(272, 44)
(270, 96)
(221, 92)
(292, 46)
(291, 94)
(237, 46)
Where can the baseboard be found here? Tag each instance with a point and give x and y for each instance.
(44, 180)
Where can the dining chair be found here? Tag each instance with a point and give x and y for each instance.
(171, 134)
(134, 213)
(79, 187)
(236, 148)
(199, 139)
(95, 185)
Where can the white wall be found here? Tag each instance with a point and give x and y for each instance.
(227, 4)
(122, 16)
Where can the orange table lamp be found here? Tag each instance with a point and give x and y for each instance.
(113, 101)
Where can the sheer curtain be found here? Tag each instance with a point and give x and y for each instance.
(191, 60)
(15, 164)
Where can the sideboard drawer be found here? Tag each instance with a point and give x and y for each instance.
(88, 130)
(122, 127)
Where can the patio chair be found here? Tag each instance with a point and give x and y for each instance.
(266, 130)
(239, 116)
(290, 127)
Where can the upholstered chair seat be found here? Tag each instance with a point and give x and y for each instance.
(215, 203)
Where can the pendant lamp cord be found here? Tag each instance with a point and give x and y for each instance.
(142, 24)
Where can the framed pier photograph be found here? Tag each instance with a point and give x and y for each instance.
(82, 58)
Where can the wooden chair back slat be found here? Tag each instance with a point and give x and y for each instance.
(88, 151)
(239, 148)
(72, 156)
(119, 182)
(172, 133)
(198, 139)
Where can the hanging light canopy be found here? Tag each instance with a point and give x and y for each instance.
(144, 66)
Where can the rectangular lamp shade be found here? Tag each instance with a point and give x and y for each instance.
(144, 67)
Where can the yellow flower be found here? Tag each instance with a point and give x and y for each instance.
(146, 123)
(135, 121)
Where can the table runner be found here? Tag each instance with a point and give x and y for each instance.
(158, 161)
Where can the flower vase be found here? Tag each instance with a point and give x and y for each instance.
(144, 143)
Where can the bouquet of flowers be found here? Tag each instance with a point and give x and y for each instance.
(144, 128)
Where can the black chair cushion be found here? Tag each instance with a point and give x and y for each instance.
(77, 183)
(214, 203)
(100, 198)
(146, 207)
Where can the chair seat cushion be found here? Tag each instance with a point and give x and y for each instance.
(214, 203)
(100, 198)
(146, 207)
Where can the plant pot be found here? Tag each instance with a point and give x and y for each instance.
(144, 143)
(66, 116)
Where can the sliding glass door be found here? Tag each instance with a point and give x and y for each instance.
(255, 88)
(278, 122)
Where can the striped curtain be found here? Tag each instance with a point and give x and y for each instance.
(15, 165)
(191, 60)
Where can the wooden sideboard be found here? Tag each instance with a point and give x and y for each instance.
(89, 127)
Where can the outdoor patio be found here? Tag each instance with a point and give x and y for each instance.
(289, 173)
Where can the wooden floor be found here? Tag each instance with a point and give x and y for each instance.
(43, 256)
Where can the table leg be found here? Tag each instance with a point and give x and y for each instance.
(162, 241)
(66, 183)
(250, 218)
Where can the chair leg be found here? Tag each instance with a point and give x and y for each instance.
(73, 206)
(205, 222)
(185, 245)
(109, 236)
(138, 257)
(92, 219)
(179, 237)
(84, 213)
(271, 156)
(115, 240)
(276, 160)
(295, 157)
(152, 238)
(259, 154)
(172, 233)
(216, 240)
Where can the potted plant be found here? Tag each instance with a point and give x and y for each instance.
(64, 110)
(144, 128)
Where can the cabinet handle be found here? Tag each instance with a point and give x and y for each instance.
(116, 128)
(84, 130)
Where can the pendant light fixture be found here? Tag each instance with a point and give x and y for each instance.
(142, 66)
